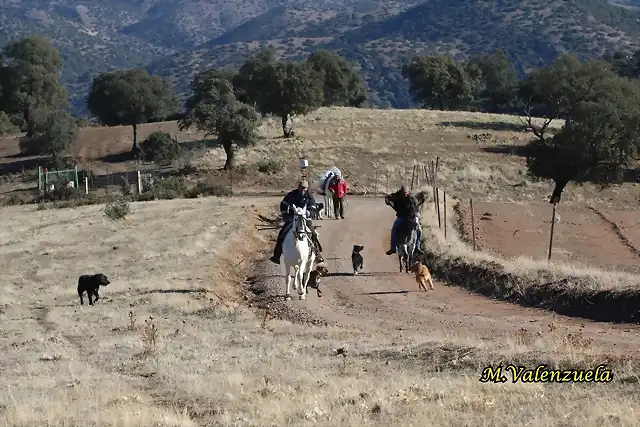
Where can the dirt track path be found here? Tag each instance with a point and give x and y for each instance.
(384, 298)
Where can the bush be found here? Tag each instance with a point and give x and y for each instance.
(161, 148)
(204, 189)
(117, 210)
(171, 187)
(62, 193)
(270, 166)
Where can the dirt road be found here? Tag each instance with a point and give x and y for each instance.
(381, 297)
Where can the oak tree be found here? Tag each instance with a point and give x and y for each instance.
(213, 108)
(131, 97)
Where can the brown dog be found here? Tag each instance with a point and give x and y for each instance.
(314, 278)
(422, 275)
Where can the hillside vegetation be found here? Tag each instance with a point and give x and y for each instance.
(380, 36)
(381, 39)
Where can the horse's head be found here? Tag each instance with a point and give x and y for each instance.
(299, 221)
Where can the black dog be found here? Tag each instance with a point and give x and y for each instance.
(356, 259)
(316, 213)
(90, 283)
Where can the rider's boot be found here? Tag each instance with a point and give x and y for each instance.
(318, 248)
(277, 252)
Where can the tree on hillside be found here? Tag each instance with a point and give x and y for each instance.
(601, 134)
(131, 97)
(6, 126)
(297, 90)
(30, 72)
(213, 108)
(251, 84)
(55, 132)
(499, 81)
(282, 89)
(555, 91)
(441, 82)
(342, 84)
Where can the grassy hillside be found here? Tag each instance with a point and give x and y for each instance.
(378, 35)
(381, 38)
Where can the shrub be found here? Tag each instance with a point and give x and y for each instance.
(270, 166)
(171, 187)
(62, 193)
(161, 148)
(204, 189)
(117, 210)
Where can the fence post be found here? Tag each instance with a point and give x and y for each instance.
(473, 224)
(375, 184)
(76, 173)
(553, 222)
(40, 178)
(444, 208)
(139, 183)
(438, 204)
(413, 173)
(86, 185)
(426, 174)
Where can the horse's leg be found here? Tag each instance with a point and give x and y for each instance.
(288, 281)
(299, 279)
(400, 258)
(307, 271)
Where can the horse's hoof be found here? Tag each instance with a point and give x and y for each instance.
(287, 298)
(302, 297)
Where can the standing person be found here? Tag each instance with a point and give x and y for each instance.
(338, 190)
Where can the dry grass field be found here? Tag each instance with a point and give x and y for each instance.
(376, 147)
(212, 358)
(216, 362)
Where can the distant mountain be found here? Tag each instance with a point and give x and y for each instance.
(382, 36)
(178, 37)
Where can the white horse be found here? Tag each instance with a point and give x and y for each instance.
(324, 182)
(298, 254)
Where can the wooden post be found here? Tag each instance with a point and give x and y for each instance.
(437, 166)
(444, 209)
(86, 185)
(139, 182)
(553, 222)
(375, 184)
(413, 174)
(438, 204)
(426, 174)
(473, 224)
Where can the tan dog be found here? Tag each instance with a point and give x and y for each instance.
(422, 275)
(314, 278)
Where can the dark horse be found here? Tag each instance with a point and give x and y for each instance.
(408, 233)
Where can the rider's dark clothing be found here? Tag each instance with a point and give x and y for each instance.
(404, 205)
(299, 199)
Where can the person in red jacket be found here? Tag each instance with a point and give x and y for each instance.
(338, 189)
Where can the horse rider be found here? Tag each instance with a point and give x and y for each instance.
(300, 197)
(404, 204)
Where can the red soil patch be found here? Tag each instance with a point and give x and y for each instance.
(581, 235)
